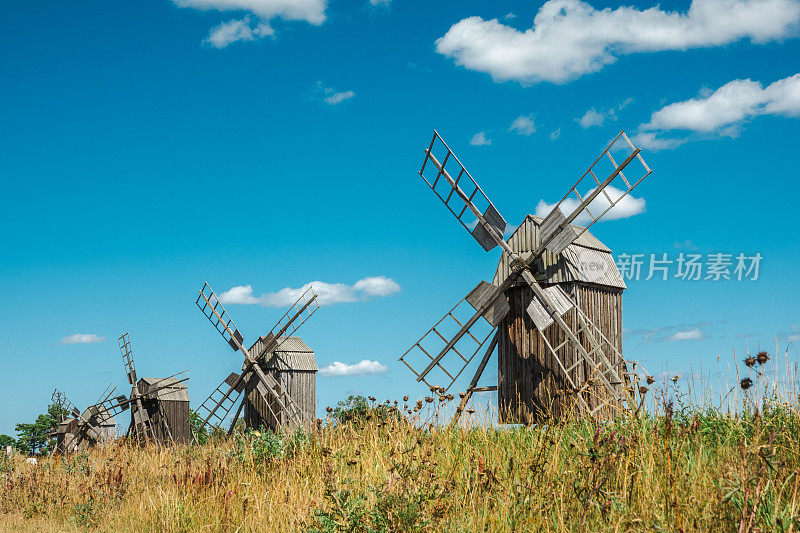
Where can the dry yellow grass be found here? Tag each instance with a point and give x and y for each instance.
(683, 466)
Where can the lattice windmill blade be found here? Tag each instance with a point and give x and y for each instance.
(60, 399)
(141, 420)
(110, 391)
(461, 194)
(549, 306)
(208, 302)
(305, 306)
(598, 197)
(428, 352)
(223, 398)
(127, 358)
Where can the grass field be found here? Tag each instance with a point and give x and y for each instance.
(684, 465)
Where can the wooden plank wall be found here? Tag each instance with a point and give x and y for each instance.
(531, 386)
(301, 386)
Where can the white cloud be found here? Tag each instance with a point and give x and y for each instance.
(328, 293)
(721, 112)
(730, 105)
(570, 38)
(687, 335)
(311, 11)
(555, 134)
(82, 338)
(235, 30)
(510, 16)
(384, 3)
(364, 368)
(480, 139)
(523, 125)
(651, 141)
(627, 207)
(591, 118)
(333, 97)
(339, 97)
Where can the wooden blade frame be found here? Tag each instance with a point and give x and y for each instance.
(556, 233)
(140, 419)
(422, 349)
(461, 194)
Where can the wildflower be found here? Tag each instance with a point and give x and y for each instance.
(762, 357)
(750, 361)
(746, 383)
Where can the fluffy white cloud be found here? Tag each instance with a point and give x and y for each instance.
(730, 105)
(327, 293)
(523, 125)
(570, 38)
(311, 11)
(555, 134)
(627, 207)
(364, 368)
(721, 112)
(480, 139)
(687, 335)
(82, 338)
(384, 3)
(237, 30)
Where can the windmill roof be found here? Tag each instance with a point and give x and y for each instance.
(174, 391)
(567, 266)
(292, 354)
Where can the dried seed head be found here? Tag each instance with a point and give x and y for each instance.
(462, 394)
(470, 411)
(762, 357)
(329, 409)
(372, 398)
(428, 399)
(650, 380)
(405, 398)
(750, 361)
(675, 378)
(746, 383)
(643, 390)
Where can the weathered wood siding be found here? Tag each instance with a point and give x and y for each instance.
(531, 384)
(300, 385)
(176, 414)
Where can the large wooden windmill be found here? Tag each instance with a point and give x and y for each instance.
(159, 406)
(270, 398)
(554, 355)
(78, 429)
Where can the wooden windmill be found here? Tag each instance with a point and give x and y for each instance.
(554, 357)
(90, 427)
(159, 406)
(271, 400)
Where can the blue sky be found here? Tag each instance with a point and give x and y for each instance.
(146, 150)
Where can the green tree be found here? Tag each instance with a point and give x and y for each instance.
(33, 438)
(5, 440)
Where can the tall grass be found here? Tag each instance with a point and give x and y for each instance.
(681, 465)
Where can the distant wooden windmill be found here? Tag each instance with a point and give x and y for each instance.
(277, 374)
(559, 338)
(79, 429)
(159, 406)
